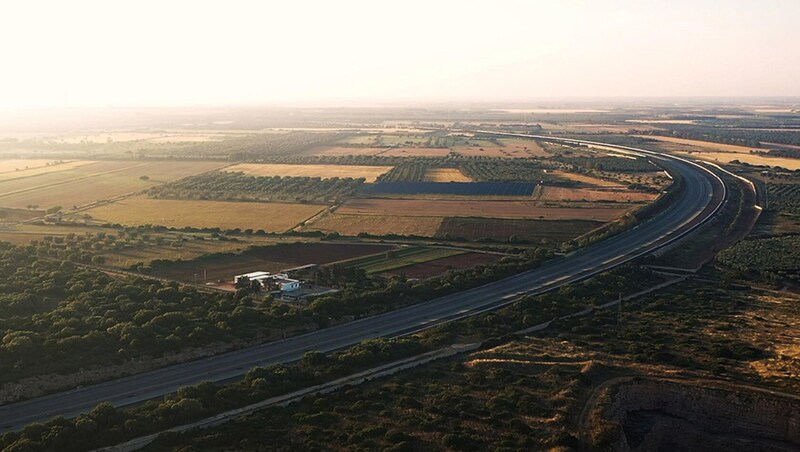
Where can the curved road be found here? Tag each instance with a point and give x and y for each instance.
(686, 213)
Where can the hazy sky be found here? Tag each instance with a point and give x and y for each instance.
(97, 53)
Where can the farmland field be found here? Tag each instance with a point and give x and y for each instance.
(509, 148)
(440, 266)
(271, 217)
(343, 150)
(415, 152)
(504, 229)
(133, 254)
(370, 173)
(165, 136)
(752, 159)
(452, 188)
(265, 258)
(15, 215)
(485, 209)
(397, 259)
(84, 184)
(715, 147)
(47, 169)
(445, 175)
(588, 180)
(16, 165)
(23, 234)
(589, 194)
(375, 224)
(226, 186)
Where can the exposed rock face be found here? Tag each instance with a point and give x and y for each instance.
(658, 415)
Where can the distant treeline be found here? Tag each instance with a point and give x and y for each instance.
(741, 137)
(245, 147)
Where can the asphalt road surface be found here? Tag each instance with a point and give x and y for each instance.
(687, 212)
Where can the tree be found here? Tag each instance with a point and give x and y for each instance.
(255, 287)
(243, 282)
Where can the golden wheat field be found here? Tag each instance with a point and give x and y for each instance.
(445, 175)
(481, 209)
(591, 194)
(271, 217)
(370, 173)
(84, 183)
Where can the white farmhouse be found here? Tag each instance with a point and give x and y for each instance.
(283, 281)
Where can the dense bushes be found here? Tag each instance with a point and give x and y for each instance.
(56, 317)
(774, 258)
(106, 425)
(784, 198)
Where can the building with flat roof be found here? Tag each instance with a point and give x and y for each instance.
(267, 280)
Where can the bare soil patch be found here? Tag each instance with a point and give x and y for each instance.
(440, 266)
(588, 180)
(504, 229)
(269, 258)
(375, 224)
(589, 194)
(485, 209)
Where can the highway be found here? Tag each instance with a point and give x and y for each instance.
(687, 212)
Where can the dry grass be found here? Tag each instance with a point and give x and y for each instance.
(445, 175)
(370, 173)
(590, 194)
(6, 173)
(415, 152)
(23, 234)
(339, 150)
(271, 217)
(187, 250)
(588, 180)
(480, 209)
(86, 184)
(13, 165)
(376, 225)
(180, 136)
(510, 148)
(718, 147)
(752, 159)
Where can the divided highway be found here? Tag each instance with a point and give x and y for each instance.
(693, 208)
